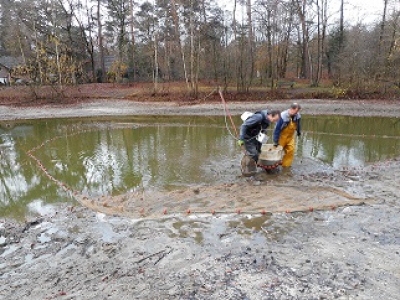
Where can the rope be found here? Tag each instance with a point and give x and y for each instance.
(227, 112)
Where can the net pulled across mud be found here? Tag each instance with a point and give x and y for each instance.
(220, 199)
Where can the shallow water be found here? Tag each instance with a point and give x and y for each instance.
(113, 156)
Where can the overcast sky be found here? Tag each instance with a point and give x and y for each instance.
(365, 11)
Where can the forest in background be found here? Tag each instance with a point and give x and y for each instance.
(69, 42)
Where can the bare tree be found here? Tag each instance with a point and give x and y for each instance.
(341, 25)
(132, 27)
(100, 42)
(250, 45)
(179, 42)
(301, 6)
(383, 22)
(156, 64)
(391, 55)
(322, 6)
(341, 38)
(234, 25)
(193, 83)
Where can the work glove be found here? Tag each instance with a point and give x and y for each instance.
(240, 143)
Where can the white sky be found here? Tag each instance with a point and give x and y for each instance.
(363, 11)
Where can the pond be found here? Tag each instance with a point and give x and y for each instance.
(101, 156)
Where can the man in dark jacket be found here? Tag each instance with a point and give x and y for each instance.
(252, 126)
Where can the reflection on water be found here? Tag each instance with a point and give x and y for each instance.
(349, 141)
(99, 156)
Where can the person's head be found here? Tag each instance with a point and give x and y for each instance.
(294, 109)
(274, 115)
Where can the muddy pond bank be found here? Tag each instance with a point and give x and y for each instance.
(350, 252)
(379, 108)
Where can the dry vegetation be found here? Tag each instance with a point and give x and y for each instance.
(177, 92)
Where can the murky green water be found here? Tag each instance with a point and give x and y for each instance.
(100, 156)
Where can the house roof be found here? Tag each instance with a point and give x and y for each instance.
(10, 61)
(4, 72)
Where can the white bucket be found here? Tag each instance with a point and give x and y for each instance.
(270, 155)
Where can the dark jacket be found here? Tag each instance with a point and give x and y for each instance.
(284, 122)
(254, 124)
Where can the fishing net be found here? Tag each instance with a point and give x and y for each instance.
(226, 198)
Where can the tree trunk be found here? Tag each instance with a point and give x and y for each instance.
(341, 25)
(392, 45)
(156, 75)
(305, 38)
(321, 30)
(286, 43)
(192, 53)
(226, 59)
(341, 39)
(132, 34)
(323, 38)
(382, 32)
(209, 64)
(269, 71)
(58, 64)
(237, 58)
(168, 58)
(250, 62)
(20, 47)
(100, 40)
(178, 37)
(38, 57)
(197, 69)
(89, 43)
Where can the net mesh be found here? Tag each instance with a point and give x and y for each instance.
(227, 198)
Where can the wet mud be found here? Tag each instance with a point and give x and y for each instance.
(347, 249)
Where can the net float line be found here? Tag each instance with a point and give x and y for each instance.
(377, 136)
(354, 135)
(142, 213)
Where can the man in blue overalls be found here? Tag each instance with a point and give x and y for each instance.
(284, 133)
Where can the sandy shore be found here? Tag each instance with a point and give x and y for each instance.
(347, 252)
